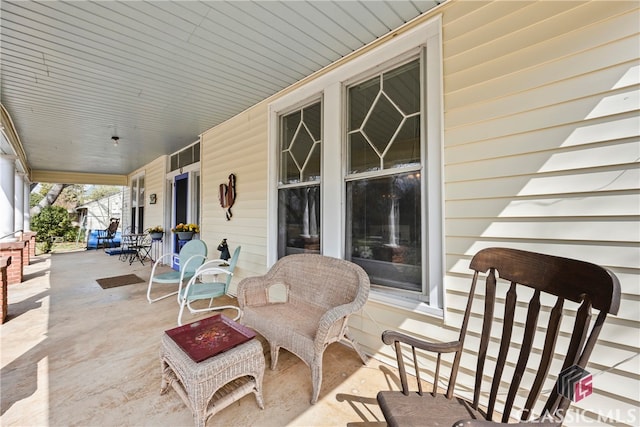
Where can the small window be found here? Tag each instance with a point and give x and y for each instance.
(185, 157)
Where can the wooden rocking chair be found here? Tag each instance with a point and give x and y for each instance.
(542, 289)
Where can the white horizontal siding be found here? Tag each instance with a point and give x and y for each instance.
(154, 182)
(541, 153)
(238, 146)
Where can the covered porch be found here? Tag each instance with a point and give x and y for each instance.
(512, 124)
(76, 354)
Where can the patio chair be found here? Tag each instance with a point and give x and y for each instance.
(317, 295)
(204, 290)
(140, 248)
(127, 241)
(106, 236)
(192, 255)
(546, 288)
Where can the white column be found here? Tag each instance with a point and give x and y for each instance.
(7, 188)
(26, 224)
(18, 201)
(26, 220)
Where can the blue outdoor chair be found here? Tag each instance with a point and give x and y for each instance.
(203, 290)
(192, 255)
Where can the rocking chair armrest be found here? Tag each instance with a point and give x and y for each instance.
(390, 337)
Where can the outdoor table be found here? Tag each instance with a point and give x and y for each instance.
(134, 245)
(210, 385)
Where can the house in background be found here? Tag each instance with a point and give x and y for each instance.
(477, 124)
(95, 215)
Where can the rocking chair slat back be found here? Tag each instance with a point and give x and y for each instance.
(547, 353)
(543, 273)
(509, 369)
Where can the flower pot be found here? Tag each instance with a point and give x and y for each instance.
(156, 235)
(184, 235)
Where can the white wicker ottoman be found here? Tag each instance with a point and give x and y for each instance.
(215, 383)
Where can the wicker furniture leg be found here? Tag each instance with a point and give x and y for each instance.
(213, 384)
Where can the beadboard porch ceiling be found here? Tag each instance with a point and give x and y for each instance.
(156, 74)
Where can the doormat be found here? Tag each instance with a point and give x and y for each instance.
(114, 282)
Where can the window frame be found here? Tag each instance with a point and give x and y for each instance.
(394, 64)
(280, 185)
(423, 38)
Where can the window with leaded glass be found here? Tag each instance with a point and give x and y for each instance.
(384, 230)
(299, 181)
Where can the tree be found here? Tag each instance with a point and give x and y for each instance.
(49, 199)
(100, 191)
(34, 199)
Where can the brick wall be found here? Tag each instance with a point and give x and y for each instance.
(15, 250)
(30, 238)
(5, 262)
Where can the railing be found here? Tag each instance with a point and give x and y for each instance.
(11, 234)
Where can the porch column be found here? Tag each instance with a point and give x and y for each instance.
(28, 235)
(5, 262)
(7, 189)
(18, 205)
(26, 221)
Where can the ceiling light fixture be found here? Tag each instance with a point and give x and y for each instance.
(115, 140)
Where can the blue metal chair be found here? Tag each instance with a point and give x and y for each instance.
(199, 289)
(192, 255)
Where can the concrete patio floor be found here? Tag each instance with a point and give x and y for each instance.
(74, 354)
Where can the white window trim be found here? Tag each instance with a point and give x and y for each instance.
(331, 86)
(194, 170)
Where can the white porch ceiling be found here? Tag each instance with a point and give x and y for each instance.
(159, 73)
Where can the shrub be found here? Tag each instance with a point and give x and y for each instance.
(72, 235)
(52, 221)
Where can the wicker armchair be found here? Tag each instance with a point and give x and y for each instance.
(317, 295)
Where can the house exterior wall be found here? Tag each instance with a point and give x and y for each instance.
(126, 206)
(237, 146)
(154, 181)
(541, 152)
(100, 211)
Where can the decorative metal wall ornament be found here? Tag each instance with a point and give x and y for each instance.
(227, 195)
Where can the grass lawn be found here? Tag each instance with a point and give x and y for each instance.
(60, 247)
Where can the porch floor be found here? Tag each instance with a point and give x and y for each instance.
(76, 354)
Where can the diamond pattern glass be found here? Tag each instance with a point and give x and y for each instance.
(301, 136)
(384, 114)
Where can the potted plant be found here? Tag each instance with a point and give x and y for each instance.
(186, 231)
(156, 232)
